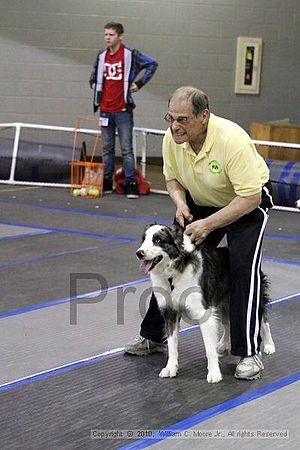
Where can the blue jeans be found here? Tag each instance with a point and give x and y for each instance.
(122, 122)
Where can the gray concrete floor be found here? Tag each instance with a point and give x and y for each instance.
(46, 236)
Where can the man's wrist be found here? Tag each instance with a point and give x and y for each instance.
(180, 204)
(210, 223)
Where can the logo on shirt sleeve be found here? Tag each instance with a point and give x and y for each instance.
(215, 167)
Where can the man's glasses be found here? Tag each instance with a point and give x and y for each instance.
(182, 120)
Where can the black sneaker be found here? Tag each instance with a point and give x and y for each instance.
(107, 186)
(131, 190)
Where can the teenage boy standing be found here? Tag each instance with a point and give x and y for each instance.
(116, 74)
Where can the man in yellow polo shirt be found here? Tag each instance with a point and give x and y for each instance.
(220, 186)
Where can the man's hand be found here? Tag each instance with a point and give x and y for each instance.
(92, 85)
(177, 194)
(133, 87)
(198, 231)
(182, 214)
(237, 208)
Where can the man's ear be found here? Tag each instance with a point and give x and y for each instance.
(205, 116)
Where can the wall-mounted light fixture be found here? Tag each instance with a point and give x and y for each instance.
(248, 65)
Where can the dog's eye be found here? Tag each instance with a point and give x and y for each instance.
(157, 241)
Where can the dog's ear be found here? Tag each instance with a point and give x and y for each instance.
(144, 232)
(148, 226)
(145, 229)
(178, 226)
(178, 233)
(185, 223)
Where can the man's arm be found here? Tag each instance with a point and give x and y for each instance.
(177, 194)
(236, 209)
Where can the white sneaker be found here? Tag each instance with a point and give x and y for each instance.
(249, 368)
(141, 346)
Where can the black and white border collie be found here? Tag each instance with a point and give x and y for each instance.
(193, 283)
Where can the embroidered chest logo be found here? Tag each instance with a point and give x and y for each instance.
(215, 167)
(113, 71)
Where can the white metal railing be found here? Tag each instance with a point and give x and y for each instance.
(143, 132)
(18, 126)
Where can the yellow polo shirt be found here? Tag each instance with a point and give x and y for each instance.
(227, 165)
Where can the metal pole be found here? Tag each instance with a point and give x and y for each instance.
(15, 153)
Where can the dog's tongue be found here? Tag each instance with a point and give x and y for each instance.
(145, 266)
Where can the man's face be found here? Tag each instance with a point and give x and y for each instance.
(183, 124)
(112, 38)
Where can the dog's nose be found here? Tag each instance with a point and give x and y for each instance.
(140, 254)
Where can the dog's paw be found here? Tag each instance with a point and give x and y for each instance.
(269, 349)
(214, 376)
(168, 372)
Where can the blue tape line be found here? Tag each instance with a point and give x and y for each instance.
(76, 363)
(270, 305)
(26, 309)
(282, 261)
(89, 213)
(107, 236)
(67, 230)
(282, 236)
(85, 295)
(285, 172)
(285, 299)
(22, 235)
(56, 255)
(216, 410)
(52, 372)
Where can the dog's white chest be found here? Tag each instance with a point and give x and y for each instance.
(186, 294)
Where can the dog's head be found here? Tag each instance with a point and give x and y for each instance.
(161, 245)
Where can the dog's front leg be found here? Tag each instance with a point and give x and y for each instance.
(171, 368)
(209, 331)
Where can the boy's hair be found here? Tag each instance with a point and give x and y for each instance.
(118, 27)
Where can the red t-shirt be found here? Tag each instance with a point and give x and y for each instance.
(112, 99)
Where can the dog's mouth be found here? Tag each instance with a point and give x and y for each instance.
(149, 264)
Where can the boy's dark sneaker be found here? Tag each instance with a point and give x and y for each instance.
(131, 190)
(107, 186)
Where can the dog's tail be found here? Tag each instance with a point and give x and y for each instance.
(265, 298)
